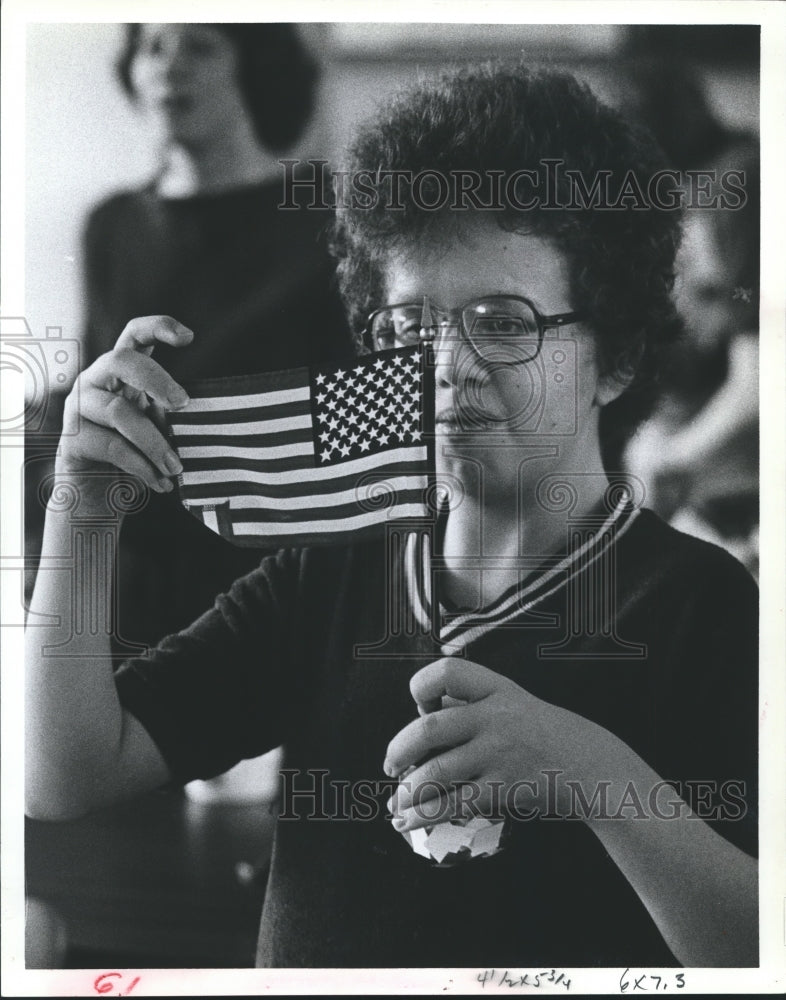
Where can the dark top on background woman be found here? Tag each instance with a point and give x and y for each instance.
(256, 284)
(255, 281)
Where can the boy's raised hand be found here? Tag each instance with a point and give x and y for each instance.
(114, 414)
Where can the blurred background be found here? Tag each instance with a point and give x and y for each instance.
(177, 879)
(84, 140)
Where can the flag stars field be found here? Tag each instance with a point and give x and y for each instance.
(398, 394)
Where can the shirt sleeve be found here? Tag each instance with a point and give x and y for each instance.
(226, 688)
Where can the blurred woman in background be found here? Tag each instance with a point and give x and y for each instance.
(205, 240)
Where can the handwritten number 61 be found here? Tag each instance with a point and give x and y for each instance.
(107, 982)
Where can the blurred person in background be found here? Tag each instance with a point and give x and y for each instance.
(698, 453)
(204, 240)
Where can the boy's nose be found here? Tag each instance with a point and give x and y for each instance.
(446, 344)
(455, 359)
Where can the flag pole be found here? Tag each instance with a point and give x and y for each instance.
(428, 329)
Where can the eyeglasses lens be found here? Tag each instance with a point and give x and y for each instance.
(502, 329)
(499, 328)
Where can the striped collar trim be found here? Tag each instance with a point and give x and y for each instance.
(457, 631)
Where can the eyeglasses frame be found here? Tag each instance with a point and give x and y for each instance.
(554, 321)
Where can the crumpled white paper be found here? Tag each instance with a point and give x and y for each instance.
(456, 841)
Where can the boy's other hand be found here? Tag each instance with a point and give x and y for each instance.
(477, 728)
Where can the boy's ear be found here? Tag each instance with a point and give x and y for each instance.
(611, 385)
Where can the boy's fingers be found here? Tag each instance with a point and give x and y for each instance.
(445, 702)
(157, 413)
(110, 410)
(434, 780)
(95, 444)
(427, 813)
(423, 736)
(465, 800)
(140, 373)
(454, 678)
(143, 333)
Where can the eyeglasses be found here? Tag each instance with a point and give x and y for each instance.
(498, 327)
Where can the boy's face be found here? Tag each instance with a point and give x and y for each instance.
(513, 411)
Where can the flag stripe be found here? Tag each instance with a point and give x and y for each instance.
(181, 419)
(338, 512)
(261, 473)
(198, 490)
(356, 494)
(343, 524)
(196, 452)
(209, 404)
(260, 442)
(261, 428)
(225, 470)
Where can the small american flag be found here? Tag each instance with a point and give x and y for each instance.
(309, 456)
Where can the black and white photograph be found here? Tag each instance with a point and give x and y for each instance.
(393, 496)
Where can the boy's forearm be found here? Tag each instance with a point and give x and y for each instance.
(73, 719)
(701, 890)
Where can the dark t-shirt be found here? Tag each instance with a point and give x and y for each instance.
(257, 287)
(277, 660)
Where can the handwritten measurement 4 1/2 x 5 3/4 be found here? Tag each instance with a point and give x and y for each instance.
(512, 979)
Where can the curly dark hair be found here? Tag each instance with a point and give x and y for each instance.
(277, 77)
(502, 117)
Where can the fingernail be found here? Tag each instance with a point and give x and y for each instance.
(387, 767)
(166, 485)
(179, 399)
(173, 463)
(399, 823)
